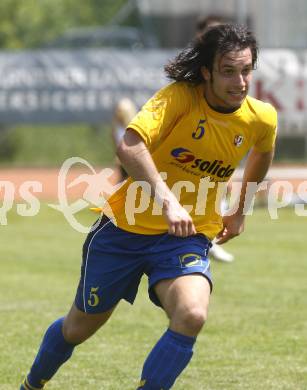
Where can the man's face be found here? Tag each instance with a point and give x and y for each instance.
(227, 86)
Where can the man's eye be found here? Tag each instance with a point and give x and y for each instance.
(246, 71)
(228, 72)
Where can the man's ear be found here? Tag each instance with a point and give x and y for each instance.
(205, 73)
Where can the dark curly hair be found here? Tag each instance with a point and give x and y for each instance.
(219, 39)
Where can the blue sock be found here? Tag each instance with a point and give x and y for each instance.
(53, 352)
(166, 361)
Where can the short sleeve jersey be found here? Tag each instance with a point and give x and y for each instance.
(191, 145)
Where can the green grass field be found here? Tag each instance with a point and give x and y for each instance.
(255, 338)
(49, 146)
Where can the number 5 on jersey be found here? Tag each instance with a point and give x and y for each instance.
(200, 130)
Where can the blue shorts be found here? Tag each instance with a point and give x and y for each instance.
(115, 260)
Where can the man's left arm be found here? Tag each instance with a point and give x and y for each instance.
(256, 168)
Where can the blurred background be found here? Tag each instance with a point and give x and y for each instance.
(64, 64)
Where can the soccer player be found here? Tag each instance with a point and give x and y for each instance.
(216, 251)
(192, 134)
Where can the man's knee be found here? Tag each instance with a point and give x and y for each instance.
(74, 333)
(190, 320)
(79, 326)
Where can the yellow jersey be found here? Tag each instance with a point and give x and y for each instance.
(191, 145)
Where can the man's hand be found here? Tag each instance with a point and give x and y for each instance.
(178, 219)
(233, 226)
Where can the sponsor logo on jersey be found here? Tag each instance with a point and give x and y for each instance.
(182, 155)
(216, 167)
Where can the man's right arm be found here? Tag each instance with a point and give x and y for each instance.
(137, 161)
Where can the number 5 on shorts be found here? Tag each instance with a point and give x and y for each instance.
(94, 299)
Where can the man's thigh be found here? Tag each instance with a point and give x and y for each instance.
(181, 294)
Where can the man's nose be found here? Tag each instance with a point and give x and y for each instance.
(240, 80)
